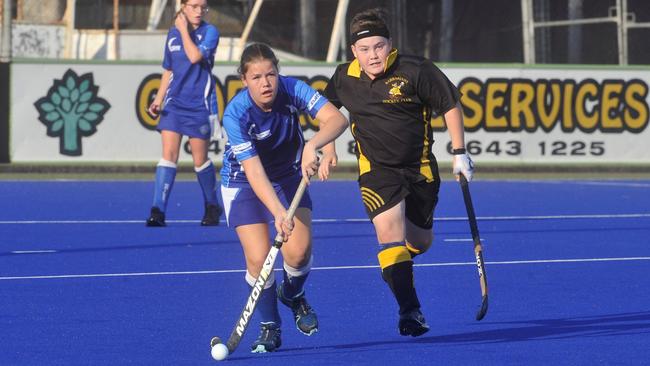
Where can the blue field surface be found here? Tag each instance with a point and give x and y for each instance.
(84, 282)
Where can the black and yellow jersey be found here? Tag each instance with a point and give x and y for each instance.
(390, 115)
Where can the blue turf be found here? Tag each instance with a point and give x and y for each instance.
(566, 313)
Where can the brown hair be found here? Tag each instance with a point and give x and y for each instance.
(256, 52)
(183, 2)
(375, 18)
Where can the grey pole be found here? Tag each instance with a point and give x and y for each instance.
(528, 31)
(338, 31)
(446, 30)
(575, 32)
(5, 52)
(308, 28)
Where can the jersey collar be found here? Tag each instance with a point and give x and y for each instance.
(354, 69)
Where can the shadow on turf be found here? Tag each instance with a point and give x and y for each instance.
(167, 245)
(593, 326)
(515, 331)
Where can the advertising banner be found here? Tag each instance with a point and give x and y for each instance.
(96, 112)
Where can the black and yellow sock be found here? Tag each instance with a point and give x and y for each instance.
(397, 271)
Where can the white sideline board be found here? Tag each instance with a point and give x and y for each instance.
(513, 114)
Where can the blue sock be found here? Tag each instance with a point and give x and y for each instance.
(207, 178)
(267, 305)
(165, 176)
(294, 279)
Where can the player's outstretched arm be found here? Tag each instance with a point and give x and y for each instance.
(332, 123)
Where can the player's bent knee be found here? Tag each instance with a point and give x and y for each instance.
(299, 270)
(297, 253)
(254, 265)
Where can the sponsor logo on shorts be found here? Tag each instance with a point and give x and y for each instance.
(205, 130)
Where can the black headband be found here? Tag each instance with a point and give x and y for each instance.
(369, 32)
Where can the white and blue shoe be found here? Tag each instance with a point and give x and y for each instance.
(305, 316)
(269, 339)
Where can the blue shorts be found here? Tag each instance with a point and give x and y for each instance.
(244, 208)
(188, 125)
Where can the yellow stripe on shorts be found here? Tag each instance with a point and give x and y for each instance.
(371, 199)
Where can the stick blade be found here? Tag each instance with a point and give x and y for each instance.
(484, 308)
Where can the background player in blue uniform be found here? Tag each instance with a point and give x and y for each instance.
(189, 107)
(263, 164)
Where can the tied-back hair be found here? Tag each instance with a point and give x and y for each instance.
(376, 18)
(183, 2)
(256, 52)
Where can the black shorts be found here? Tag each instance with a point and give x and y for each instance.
(383, 187)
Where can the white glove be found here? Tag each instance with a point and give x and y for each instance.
(463, 164)
(216, 132)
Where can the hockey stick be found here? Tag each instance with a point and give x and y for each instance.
(267, 270)
(478, 251)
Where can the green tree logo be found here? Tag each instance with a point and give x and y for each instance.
(71, 110)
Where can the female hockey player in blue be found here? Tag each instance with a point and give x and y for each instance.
(187, 104)
(263, 164)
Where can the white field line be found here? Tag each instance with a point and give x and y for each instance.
(363, 220)
(447, 264)
(603, 183)
(612, 183)
(33, 251)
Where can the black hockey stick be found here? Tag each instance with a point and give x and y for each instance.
(478, 250)
(266, 272)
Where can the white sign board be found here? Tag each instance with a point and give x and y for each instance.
(512, 114)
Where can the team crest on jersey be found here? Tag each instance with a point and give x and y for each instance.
(396, 90)
(396, 86)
